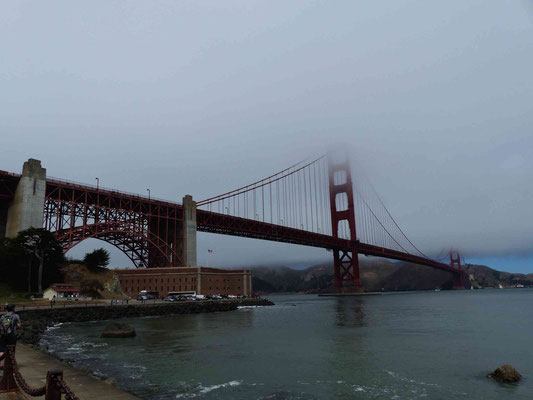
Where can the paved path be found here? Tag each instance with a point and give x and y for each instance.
(33, 364)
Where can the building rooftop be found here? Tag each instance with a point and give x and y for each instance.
(64, 287)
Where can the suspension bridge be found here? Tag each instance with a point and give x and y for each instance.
(312, 203)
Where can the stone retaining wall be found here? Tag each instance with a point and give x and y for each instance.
(35, 322)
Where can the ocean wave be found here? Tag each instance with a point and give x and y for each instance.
(54, 327)
(208, 389)
(202, 390)
(134, 366)
(404, 379)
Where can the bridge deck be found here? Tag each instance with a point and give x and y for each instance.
(236, 226)
(213, 222)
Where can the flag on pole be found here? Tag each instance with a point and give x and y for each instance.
(209, 251)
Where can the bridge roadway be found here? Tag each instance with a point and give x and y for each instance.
(213, 222)
(236, 226)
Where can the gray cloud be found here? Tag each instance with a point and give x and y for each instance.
(435, 101)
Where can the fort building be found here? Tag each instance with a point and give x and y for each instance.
(202, 280)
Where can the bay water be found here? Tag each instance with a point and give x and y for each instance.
(420, 345)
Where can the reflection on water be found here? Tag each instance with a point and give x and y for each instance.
(424, 345)
(349, 311)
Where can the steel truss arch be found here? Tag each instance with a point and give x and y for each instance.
(135, 245)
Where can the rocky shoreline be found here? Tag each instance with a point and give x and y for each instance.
(35, 322)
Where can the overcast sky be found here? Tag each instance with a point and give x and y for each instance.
(434, 99)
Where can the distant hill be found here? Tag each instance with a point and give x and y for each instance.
(482, 276)
(379, 275)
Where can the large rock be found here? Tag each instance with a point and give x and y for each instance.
(117, 330)
(505, 374)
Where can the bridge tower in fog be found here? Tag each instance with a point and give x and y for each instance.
(455, 262)
(346, 261)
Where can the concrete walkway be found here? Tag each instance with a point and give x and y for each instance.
(33, 364)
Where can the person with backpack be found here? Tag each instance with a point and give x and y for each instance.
(9, 323)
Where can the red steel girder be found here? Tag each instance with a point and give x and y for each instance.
(145, 230)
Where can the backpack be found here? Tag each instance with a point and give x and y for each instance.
(7, 325)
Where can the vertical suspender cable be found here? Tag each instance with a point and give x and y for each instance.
(316, 197)
(270, 187)
(305, 197)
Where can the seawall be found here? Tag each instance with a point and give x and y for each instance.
(35, 322)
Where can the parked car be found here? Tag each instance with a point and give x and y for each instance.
(170, 299)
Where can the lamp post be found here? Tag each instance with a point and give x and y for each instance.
(281, 221)
(148, 190)
(227, 210)
(97, 182)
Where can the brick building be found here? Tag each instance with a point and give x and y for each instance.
(202, 280)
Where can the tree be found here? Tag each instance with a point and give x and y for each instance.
(97, 258)
(91, 287)
(44, 246)
(12, 263)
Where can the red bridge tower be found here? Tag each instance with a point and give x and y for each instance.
(455, 262)
(346, 262)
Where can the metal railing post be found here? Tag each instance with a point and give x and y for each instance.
(52, 389)
(7, 383)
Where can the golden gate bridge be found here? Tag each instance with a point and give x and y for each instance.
(312, 203)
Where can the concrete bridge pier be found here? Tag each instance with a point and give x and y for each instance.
(189, 232)
(27, 207)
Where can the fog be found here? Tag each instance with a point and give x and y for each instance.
(433, 100)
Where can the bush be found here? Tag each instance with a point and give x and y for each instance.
(97, 258)
(74, 261)
(91, 287)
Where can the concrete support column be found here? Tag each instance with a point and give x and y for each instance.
(199, 281)
(27, 208)
(189, 232)
(247, 282)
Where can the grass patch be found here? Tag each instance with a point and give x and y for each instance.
(11, 295)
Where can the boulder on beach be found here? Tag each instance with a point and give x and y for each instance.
(505, 374)
(117, 330)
